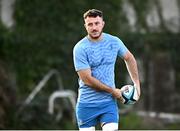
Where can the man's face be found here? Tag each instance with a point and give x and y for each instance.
(94, 26)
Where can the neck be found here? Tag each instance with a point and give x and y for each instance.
(95, 39)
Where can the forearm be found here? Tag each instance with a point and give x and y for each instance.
(99, 86)
(92, 82)
(96, 84)
(133, 71)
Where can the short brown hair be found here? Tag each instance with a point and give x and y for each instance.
(93, 13)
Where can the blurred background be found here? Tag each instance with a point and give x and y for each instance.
(38, 83)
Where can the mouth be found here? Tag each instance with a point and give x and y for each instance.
(95, 32)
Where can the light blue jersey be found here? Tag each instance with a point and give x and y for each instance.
(100, 57)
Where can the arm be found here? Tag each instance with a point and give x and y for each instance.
(132, 69)
(88, 79)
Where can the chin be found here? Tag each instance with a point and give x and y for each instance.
(95, 36)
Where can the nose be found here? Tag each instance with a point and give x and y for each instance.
(94, 26)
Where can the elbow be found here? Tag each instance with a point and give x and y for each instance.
(86, 77)
(87, 81)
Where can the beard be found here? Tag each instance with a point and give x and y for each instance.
(95, 35)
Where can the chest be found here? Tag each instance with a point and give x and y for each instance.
(101, 55)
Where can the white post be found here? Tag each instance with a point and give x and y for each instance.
(7, 10)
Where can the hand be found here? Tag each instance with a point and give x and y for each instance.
(117, 93)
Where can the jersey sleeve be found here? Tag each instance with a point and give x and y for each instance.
(122, 48)
(80, 58)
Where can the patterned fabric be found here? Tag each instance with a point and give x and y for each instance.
(100, 57)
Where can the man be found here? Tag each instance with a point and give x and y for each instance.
(94, 60)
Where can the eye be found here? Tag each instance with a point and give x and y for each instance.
(90, 24)
(97, 23)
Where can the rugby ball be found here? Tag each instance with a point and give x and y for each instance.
(129, 94)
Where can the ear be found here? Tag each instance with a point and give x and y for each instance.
(85, 26)
(103, 23)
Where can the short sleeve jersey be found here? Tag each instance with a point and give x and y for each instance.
(100, 57)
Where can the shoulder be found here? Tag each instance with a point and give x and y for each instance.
(81, 44)
(113, 40)
(111, 37)
(80, 48)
